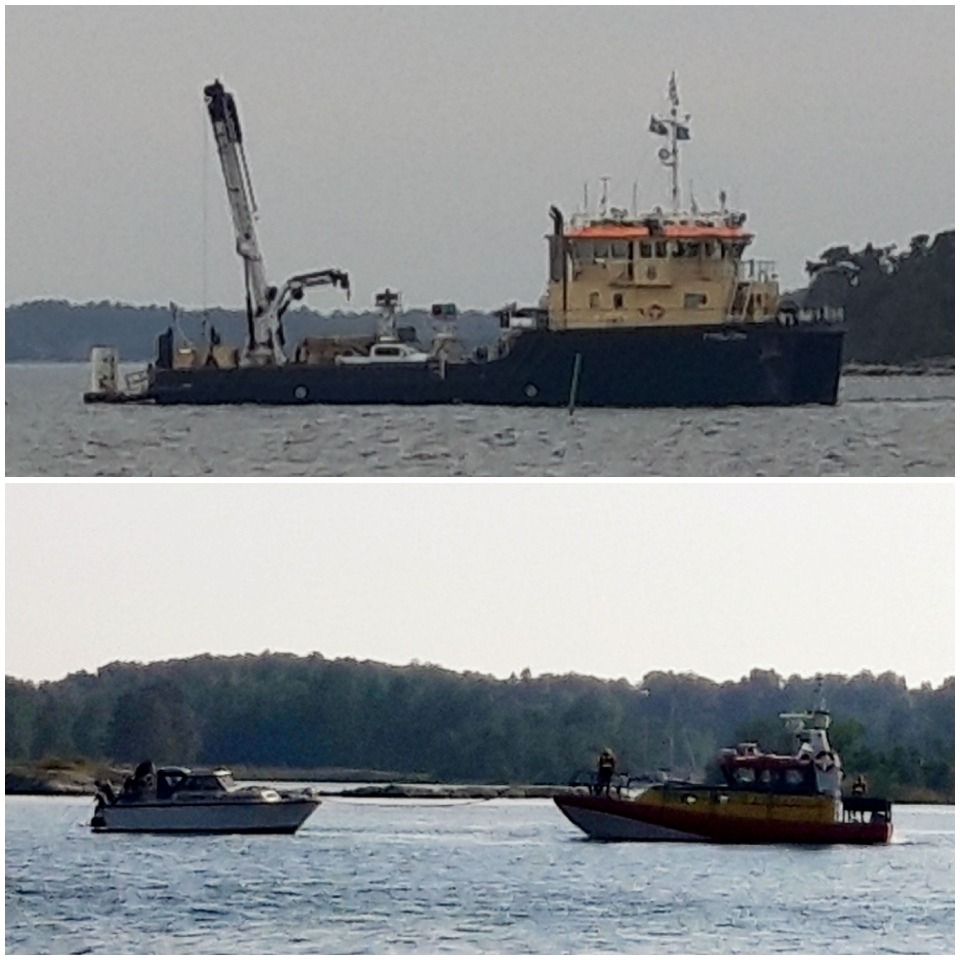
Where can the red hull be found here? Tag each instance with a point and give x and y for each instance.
(612, 819)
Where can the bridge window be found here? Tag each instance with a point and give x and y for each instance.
(646, 250)
(620, 250)
(661, 249)
(693, 249)
(601, 250)
(745, 775)
(583, 251)
(708, 250)
(679, 248)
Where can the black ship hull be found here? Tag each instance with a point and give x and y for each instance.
(768, 364)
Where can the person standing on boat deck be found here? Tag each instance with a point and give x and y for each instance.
(606, 766)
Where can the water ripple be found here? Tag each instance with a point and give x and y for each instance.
(505, 876)
(884, 426)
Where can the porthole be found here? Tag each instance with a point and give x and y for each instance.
(300, 392)
(530, 390)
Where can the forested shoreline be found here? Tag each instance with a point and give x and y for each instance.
(898, 306)
(44, 331)
(899, 310)
(281, 711)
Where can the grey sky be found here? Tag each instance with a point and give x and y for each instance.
(420, 147)
(606, 579)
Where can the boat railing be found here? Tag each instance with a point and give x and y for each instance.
(820, 315)
(757, 271)
(866, 810)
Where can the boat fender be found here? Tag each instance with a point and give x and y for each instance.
(824, 761)
(655, 312)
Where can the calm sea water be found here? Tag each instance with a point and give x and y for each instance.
(884, 426)
(502, 876)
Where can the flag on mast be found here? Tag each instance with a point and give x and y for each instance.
(674, 96)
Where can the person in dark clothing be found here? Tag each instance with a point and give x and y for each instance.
(606, 766)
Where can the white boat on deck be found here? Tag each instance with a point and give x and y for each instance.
(386, 351)
(181, 800)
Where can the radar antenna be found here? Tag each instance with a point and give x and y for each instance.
(388, 301)
(676, 129)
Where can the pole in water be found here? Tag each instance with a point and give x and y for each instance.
(574, 383)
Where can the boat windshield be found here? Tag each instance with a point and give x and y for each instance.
(205, 782)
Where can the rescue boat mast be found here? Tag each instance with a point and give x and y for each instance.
(265, 304)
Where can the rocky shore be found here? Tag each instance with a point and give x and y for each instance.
(67, 779)
(79, 779)
(440, 791)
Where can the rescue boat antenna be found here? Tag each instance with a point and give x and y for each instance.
(604, 181)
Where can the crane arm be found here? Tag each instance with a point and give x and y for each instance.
(236, 175)
(294, 287)
(265, 304)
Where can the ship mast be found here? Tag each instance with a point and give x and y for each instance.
(676, 129)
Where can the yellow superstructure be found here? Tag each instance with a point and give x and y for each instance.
(743, 805)
(661, 271)
(657, 269)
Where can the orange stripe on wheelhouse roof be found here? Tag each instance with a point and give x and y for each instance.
(670, 232)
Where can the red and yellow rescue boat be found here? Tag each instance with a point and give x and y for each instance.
(765, 798)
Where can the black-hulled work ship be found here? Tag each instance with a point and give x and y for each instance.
(654, 309)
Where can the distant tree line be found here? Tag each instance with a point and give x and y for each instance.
(898, 306)
(280, 710)
(55, 330)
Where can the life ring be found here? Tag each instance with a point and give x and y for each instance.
(655, 312)
(824, 761)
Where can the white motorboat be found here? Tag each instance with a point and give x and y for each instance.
(181, 800)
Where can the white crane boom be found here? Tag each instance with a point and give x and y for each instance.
(265, 305)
